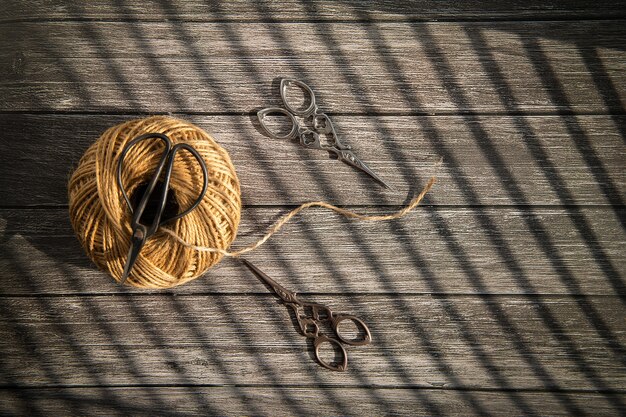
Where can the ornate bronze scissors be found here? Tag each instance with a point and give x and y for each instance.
(321, 125)
(310, 323)
(148, 215)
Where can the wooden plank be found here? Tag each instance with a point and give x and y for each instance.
(290, 10)
(460, 251)
(288, 401)
(385, 68)
(419, 341)
(486, 160)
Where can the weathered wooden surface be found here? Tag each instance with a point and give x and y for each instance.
(455, 342)
(483, 160)
(316, 10)
(503, 295)
(287, 401)
(401, 68)
(435, 250)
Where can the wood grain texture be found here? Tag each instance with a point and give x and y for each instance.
(297, 10)
(478, 160)
(289, 401)
(418, 341)
(441, 251)
(383, 68)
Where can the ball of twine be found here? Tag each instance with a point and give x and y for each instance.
(101, 218)
(185, 248)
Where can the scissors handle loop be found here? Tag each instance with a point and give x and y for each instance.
(285, 83)
(163, 173)
(341, 364)
(363, 337)
(153, 181)
(205, 178)
(262, 114)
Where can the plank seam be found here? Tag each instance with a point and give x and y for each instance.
(318, 386)
(443, 113)
(391, 295)
(435, 20)
(527, 207)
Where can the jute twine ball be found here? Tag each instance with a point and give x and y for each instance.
(101, 218)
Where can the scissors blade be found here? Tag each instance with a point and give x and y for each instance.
(137, 241)
(284, 294)
(348, 157)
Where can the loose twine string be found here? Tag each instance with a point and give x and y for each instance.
(285, 219)
(188, 247)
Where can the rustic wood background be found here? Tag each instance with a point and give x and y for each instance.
(504, 294)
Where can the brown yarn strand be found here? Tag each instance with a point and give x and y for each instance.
(188, 247)
(285, 219)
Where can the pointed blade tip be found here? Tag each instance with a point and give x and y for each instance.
(389, 187)
(123, 280)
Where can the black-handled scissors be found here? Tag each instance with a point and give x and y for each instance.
(310, 138)
(310, 323)
(161, 176)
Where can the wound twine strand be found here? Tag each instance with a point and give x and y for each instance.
(186, 248)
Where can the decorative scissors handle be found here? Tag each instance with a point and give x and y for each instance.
(311, 315)
(310, 327)
(309, 138)
(142, 226)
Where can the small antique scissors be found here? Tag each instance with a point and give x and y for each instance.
(321, 123)
(145, 223)
(310, 323)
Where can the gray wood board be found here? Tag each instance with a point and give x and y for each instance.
(388, 67)
(442, 251)
(289, 401)
(298, 10)
(487, 160)
(504, 342)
